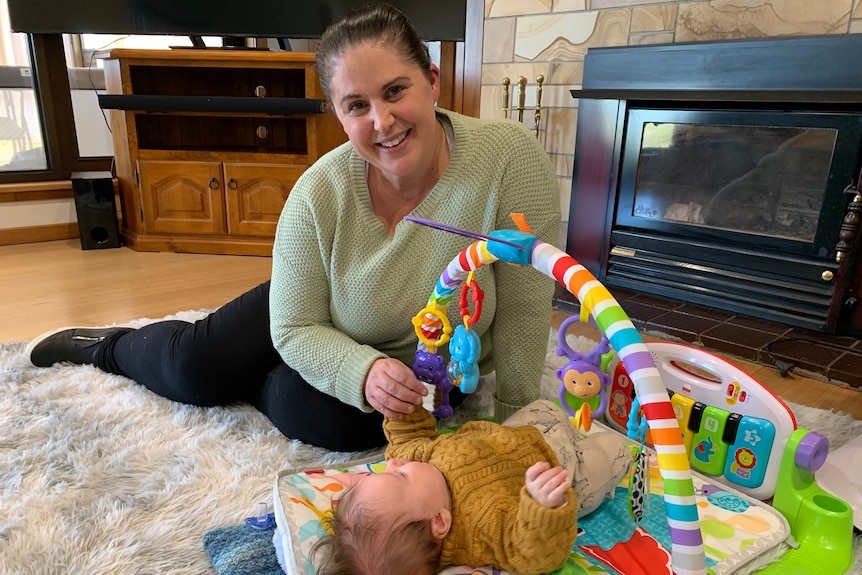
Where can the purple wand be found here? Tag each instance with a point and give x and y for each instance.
(461, 232)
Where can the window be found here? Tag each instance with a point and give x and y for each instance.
(21, 146)
(50, 124)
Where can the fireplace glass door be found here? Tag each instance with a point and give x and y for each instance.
(772, 180)
(735, 209)
(772, 184)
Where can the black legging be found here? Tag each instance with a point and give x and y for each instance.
(228, 357)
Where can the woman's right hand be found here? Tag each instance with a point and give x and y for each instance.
(392, 388)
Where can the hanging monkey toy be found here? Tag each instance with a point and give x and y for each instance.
(582, 377)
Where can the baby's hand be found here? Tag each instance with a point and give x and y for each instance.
(547, 485)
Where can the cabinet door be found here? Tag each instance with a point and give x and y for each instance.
(182, 197)
(255, 195)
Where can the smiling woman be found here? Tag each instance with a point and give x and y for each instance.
(330, 337)
(388, 115)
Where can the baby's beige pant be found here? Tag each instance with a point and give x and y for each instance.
(594, 463)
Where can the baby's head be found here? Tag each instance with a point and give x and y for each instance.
(388, 523)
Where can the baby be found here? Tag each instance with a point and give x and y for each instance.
(488, 494)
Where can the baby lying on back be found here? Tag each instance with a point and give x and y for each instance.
(503, 495)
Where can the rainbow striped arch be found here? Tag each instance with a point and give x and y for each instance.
(687, 551)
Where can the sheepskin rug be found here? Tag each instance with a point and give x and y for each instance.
(100, 476)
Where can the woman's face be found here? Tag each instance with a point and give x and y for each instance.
(386, 105)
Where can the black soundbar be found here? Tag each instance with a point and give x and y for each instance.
(223, 104)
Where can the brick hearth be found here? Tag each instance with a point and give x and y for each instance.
(741, 336)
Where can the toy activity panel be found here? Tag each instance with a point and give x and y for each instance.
(732, 426)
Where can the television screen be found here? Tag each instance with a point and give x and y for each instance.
(435, 20)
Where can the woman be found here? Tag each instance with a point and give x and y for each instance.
(325, 348)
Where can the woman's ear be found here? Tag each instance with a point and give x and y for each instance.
(435, 82)
(441, 523)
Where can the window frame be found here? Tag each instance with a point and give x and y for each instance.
(54, 99)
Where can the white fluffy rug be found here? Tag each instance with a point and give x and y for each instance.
(100, 476)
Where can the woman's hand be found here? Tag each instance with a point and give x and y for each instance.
(547, 485)
(392, 388)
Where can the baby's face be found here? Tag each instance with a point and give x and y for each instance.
(409, 489)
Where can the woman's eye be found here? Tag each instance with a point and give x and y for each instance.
(394, 91)
(355, 107)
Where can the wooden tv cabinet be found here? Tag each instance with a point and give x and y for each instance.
(208, 143)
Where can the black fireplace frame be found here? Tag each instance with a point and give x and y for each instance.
(803, 74)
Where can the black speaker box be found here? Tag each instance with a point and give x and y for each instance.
(96, 209)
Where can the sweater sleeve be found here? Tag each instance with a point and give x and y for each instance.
(527, 538)
(301, 323)
(519, 333)
(411, 437)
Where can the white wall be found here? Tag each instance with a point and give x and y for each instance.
(36, 213)
(94, 139)
(94, 136)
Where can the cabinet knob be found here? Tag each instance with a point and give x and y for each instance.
(214, 185)
(260, 91)
(231, 184)
(261, 132)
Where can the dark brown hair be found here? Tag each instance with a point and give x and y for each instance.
(358, 542)
(380, 23)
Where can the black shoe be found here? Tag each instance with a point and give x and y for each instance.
(75, 345)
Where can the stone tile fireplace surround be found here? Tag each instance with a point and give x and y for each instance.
(685, 290)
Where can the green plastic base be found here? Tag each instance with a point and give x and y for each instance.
(820, 523)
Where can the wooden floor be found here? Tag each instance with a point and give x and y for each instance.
(53, 284)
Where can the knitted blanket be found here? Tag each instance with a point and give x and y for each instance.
(242, 550)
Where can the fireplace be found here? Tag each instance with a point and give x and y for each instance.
(724, 175)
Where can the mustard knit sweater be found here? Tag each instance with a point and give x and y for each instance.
(344, 291)
(494, 520)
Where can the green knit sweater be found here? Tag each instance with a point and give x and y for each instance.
(344, 291)
(494, 520)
